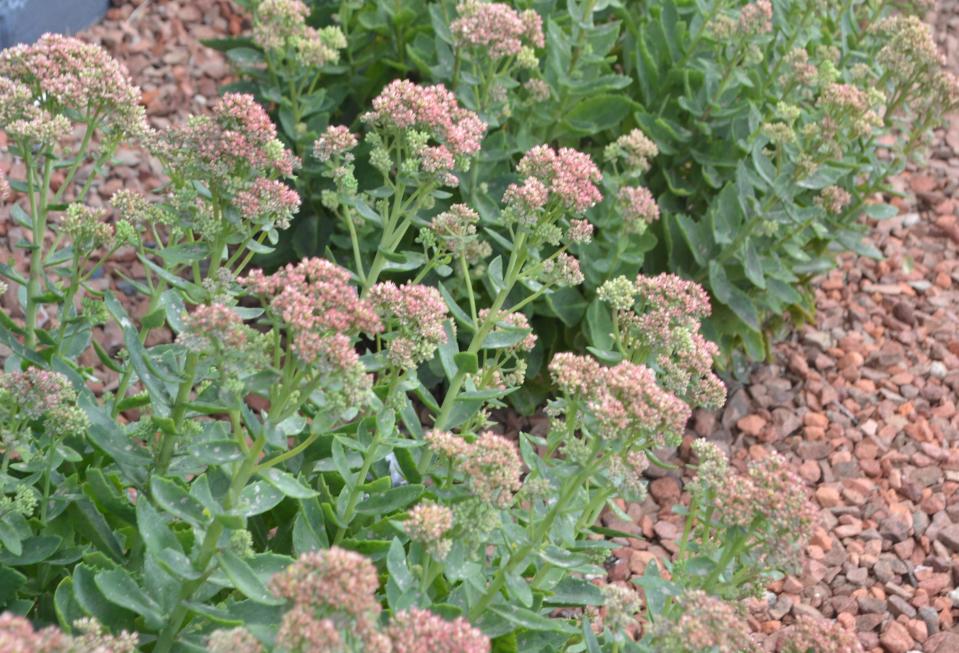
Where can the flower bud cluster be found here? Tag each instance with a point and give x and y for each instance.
(236, 154)
(819, 635)
(621, 604)
(37, 394)
(455, 232)
(334, 609)
(625, 472)
(624, 401)
(24, 502)
(280, 28)
(834, 199)
(234, 640)
(515, 321)
(771, 500)
(658, 318)
(427, 524)
(134, 208)
(913, 61)
(707, 625)
(324, 314)
(491, 463)
(414, 315)
(43, 82)
(634, 149)
(87, 227)
(439, 133)
(218, 327)
(562, 270)
(497, 28)
(18, 636)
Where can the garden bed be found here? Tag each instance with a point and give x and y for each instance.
(862, 403)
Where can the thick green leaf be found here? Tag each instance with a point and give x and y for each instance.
(287, 484)
(599, 112)
(732, 296)
(35, 549)
(390, 501)
(245, 580)
(119, 588)
(176, 501)
(531, 620)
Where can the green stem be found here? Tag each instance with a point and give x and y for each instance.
(542, 530)
(512, 274)
(465, 270)
(38, 214)
(208, 549)
(48, 463)
(354, 495)
(286, 455)
(179, 411)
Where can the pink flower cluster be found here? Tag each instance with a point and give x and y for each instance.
(325, 314)
(18, 636)
(496, 27)
(624, 399)
(427, 524)
(68, 74)
(335, 580)
(404, 105)
(236, 142)
(566, 174)
(514, 321)
(234, 640)
(705, 624)
(491, 463)
(333, 594)
(773, 498)
(688, 370)
(336, 140)
(268, 202)
(638, 207)
(755, 18)
(215, 323)
(580, 232)
(421, 631)
(455, 231)
(414, 315)
(281, 24)
(37, 392)
(635, 148)
(335, 609)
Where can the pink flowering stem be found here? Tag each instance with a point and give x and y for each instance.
(209, 547)
(38, 214)
(516, 260)
(539, 535)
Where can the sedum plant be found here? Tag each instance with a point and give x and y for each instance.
(303, 459)
(742, 144)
